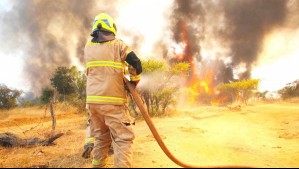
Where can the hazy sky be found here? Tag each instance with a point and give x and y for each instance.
(10, 62)
(277, 62)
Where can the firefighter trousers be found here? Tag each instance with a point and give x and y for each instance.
(112, 124)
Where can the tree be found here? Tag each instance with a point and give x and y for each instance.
(150, 66)
(163, 84)
(261, 95)
(8, 97)
(63, 81)
(47, 95)
(290, 90)
(240, 90)
(247, 88)
(79, 81)
(71, 84)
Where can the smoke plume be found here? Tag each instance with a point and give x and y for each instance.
(239, 27)
(247, 23)
(229, 33)
(186, 22)
(50, 33)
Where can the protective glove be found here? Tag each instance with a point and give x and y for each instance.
(134, 83)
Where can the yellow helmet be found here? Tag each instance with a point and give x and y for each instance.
(104, 22)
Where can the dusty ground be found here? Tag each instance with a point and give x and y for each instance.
(263, 135)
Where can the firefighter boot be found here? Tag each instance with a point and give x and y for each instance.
(87, 150)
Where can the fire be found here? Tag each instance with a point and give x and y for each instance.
(206, 87)
(197, 88)
(215, 102)
(200, 85)
(219, 100)
(192, 93)
(183, 50)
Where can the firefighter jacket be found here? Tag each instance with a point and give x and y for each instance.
(105, 68)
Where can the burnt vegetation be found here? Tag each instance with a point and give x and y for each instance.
(11, 140)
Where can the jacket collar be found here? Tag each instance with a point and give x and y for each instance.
(101, 36)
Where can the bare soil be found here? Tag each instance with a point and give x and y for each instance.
(260, 135)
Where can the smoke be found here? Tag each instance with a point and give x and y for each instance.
(248, 22)
(50, 33)
(186, 21)
(293, 15)
(230, 29)
(229, 33)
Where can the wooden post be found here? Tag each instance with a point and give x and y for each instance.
(52, 110)
(52, 116)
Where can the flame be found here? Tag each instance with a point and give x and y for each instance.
(215, 102)
(199, 83)
(219, 100)
(206, 87)
(192, 93)
(197, 88)
(182, 50)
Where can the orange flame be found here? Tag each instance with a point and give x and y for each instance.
(206, 87)
(198, 87)
(219, 100)
(200, 84)
(215, 102)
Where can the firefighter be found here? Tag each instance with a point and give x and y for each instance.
(106, 57)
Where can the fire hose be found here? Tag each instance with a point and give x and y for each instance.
(155, 133)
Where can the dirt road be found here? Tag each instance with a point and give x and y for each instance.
(264, 135)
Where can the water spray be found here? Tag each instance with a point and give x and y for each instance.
(155, 133)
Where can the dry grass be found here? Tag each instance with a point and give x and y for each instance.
(260, 135)
(293, 100)
(21, 116)
(36, 122)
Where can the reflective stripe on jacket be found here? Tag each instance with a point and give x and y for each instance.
(105, 65)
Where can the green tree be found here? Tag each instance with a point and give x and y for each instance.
(79, 81)
(150, 66)
(291, 90)
(165, 98)
(47, 95)
(240, 90)
(77, 99)
(8, 97)
(63, 81)
(71, 84)
(160, 93)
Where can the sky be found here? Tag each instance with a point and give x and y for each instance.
(10, 63)
(279, 62)
(143, 24)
